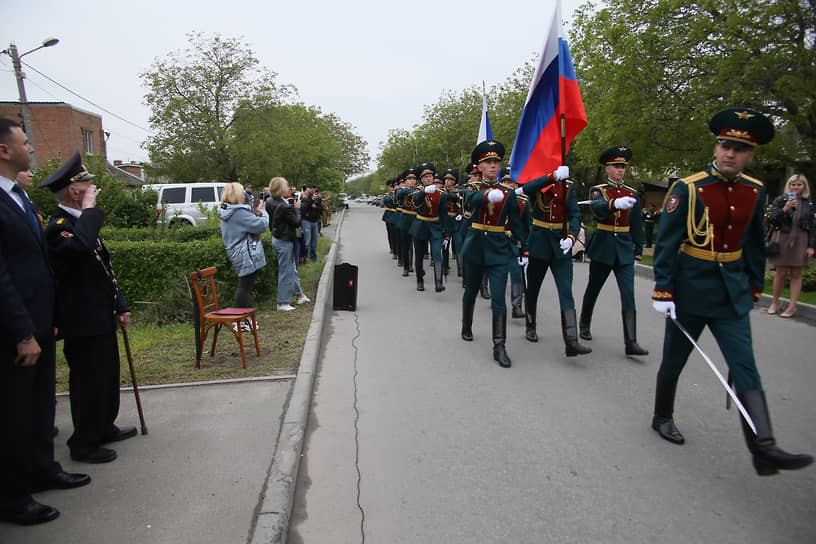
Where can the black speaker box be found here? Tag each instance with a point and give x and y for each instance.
(345, 287)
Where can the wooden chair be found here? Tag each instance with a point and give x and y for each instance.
(203, 282)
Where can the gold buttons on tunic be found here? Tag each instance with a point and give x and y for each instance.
(730, 227)
(725, 246)
(732, 208)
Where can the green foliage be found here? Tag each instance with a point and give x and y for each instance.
(122, 208)
(146, 269)
(653, 72)
(218, 115)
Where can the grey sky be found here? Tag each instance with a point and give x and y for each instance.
(375, 64)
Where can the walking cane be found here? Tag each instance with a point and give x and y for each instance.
(133, 380)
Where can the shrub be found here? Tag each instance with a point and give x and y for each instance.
(147, 269)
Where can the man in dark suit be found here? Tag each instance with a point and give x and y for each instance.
(89, 309)
(27, 348)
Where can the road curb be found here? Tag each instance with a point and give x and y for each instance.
(272, 523)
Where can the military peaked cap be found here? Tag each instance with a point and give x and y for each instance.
(620, 154)
(743, 126)
(70, 172)
(488, 149)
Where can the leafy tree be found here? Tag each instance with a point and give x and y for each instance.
(193, 95)
(652, 73)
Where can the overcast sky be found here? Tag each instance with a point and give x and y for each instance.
(373, 63)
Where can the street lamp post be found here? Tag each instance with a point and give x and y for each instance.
(19, 75)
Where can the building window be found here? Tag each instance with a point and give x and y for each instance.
(89, 142)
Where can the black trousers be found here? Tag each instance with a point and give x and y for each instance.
(27, 406)
(94, 388)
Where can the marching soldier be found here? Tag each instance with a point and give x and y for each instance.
(390, 208)
(430, 202)
(616, 245)
(452, 217)
(405, 201)
(709, 266)
(518, 263)
(552, 201)
(486, 249)
(473, 183)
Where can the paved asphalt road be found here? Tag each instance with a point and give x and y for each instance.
(416, 436)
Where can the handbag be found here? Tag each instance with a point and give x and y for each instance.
(772, 247)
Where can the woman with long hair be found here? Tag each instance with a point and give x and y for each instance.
(283, 222)
(793, 223)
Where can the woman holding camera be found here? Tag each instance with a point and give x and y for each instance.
(792, 220)
(241, 229)
(283, 221)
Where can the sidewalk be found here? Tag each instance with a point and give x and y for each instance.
(219, 458)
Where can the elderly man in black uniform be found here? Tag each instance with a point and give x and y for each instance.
(90, 307)
(709, 267)
(27, 348)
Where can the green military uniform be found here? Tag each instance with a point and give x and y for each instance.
(486, 248)
(709, 264)
(428, 227)
(390, 209)
(551, 203)
(450, 224)
(616, 244)
(405, 202)
(515, 265)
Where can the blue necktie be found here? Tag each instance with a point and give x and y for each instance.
(27, 207)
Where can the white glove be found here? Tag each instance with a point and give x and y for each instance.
(430, 189)
(520, 191)
(566, 245)
(523, 261)
(459, 217)
(495, 195)
(445, 243)
(625, 202)
(562, 172)
(664, 307)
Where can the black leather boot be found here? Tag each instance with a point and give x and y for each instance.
(406, 262)
(768, 458)
(485, 288)
(438, 277)
(410, 259)
(630, 334)
(420, 277)
(530, 322)
(516, 297)
(499, 336)
(569, 329)
(467, 320)
(586, 318)
(662, 421)
(458, 265)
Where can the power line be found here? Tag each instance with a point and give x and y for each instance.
(86, 100)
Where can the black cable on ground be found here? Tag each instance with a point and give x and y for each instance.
(357, 433)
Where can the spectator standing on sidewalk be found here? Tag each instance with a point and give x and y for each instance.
(793, 224)
(283, 221)
(311, 209)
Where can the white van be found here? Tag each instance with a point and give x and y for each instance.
(184, 202)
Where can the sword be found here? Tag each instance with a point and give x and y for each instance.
(713, 367)
(585, 202)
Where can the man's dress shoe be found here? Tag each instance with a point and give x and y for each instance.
(30, 514)
(62, 480)
(97, 456)
(119, 434)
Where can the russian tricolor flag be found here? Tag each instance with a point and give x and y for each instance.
(484, 126)
(553, 91)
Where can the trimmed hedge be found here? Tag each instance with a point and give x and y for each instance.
(146, 269)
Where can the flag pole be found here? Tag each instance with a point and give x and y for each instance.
(563, 181)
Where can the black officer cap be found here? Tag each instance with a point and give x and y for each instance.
(488, 149)
(472, 167)
(620, 154)
(451, 173)
(70, 172)
(409, 172)
(425, 168)
(741, 126)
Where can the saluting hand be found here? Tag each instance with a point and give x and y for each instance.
(89, 198)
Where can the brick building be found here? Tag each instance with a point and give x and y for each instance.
(60, 129)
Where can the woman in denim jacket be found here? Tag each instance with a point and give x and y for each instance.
(283, 222)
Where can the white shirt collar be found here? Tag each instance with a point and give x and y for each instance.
(7, 185)
(73, 211)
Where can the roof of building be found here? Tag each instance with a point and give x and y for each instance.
(127, 177)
